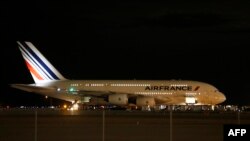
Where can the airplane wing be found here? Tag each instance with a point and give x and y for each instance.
(132, 97)
(102, 94)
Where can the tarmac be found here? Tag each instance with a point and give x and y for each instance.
(117, 125)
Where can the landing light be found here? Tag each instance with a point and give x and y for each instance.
(74, 107)
(65, 106)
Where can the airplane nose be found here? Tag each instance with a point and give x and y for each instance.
(222, 97)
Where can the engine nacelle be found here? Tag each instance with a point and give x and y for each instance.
(118, 99)
(145, 101)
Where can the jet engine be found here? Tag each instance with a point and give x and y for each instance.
(118, 99)
(145, 101)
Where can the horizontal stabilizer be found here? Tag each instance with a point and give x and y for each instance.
(32, 88)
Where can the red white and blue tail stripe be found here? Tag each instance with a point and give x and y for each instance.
(39, 67)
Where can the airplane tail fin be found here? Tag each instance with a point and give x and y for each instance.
(40, 68)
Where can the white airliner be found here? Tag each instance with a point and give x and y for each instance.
(49, 82)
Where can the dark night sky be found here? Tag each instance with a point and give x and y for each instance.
(204, 41)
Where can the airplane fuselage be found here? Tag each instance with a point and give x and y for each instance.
(168, 92)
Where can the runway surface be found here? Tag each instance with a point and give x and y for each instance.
(59, 125)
